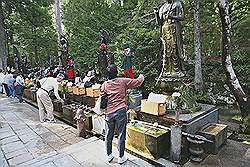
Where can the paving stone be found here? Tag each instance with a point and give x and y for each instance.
(57, 144)
(3, 161)
(95, 162)
(65, 132)
(77, 146)
(16, 153)
(34, 126)
(12, 147)
(73, 130)
(68, 136)
(35, 143)
(20, 159)
(82, 155)
(43, 159)
(6, 134)
(41, 150)
(56, 128)
(39, 129)
(47, 136)
(5, 129)
(96, 149)
(4, 125)
(40, 162)
(10, 139)
(24, 131)
(28, 137)
(19, 127)
(75, 140)
(49, 164)
(66, 161)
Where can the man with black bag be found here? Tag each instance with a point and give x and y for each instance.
(44, 101)
(115, 90)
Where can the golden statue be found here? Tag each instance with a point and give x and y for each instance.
(168, 16)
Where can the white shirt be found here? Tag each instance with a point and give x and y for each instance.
(49, 84)
(19, 80)
(78, 80)
(1, 77)
(8, 79)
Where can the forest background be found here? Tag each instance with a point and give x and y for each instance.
(30, 28)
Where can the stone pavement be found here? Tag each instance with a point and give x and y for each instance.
(233, 154)
(25, 141)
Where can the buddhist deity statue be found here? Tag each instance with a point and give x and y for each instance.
(173, 78)
(169, 17)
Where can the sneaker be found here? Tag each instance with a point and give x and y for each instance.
(123, 159)
(51, 121)
(110, 158)
(42, 121)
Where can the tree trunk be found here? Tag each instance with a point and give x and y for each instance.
(232, 79)
(58, 17)
(197, 48)
(3, 41)
(58, 25)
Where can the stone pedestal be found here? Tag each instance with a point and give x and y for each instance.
(175, 148)
(195, 149)
(152, 142)
(216, 133)
(191, 123)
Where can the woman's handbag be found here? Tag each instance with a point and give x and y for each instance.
(104, 101)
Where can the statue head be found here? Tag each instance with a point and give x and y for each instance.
(125, 45)
(103, 46)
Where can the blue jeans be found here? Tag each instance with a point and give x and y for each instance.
(6, 89)
(12, 91)
(117, 119)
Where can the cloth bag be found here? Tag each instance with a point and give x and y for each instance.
(97, 109)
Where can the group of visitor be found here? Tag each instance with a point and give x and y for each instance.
(11, 84)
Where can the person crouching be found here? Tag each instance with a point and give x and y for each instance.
(43, 99)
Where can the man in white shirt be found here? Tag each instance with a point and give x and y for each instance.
(43, 100)
(9, 80)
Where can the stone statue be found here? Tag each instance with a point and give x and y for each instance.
(168, 16)
(63, 50)
(103, 56)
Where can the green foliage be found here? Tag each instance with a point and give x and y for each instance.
(241, 64)
(187, 99)
(29, 27)
(134, 23)
(244, 123)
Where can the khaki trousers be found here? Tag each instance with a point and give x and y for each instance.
(44, 104)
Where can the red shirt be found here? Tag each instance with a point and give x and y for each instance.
(117, 91)
(70, 73)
